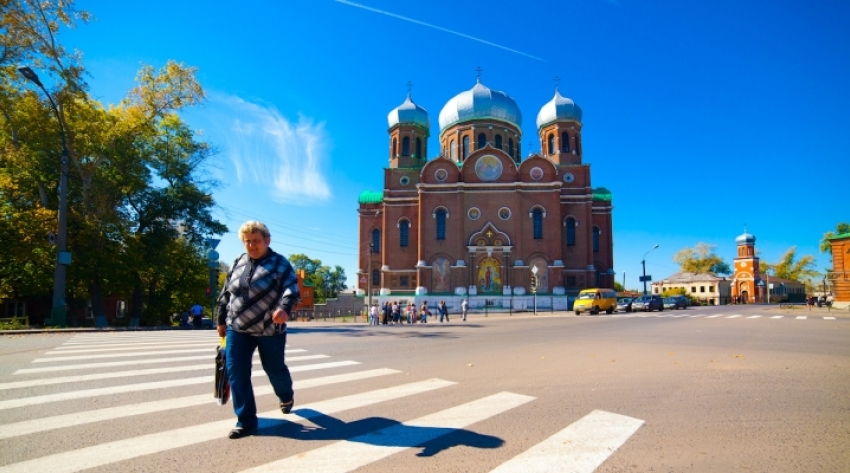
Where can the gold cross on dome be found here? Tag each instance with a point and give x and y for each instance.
(489, 233)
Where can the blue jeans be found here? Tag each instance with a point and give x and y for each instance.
(240, 351)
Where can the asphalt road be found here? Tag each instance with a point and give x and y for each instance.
(694, 390)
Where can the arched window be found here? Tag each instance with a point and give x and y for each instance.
(482, 140)
(418, 147)
(571, 231)
(578, 144)
(405, 146)
(550, 141)
(395, 147)
(498, 141)
(376, 278)
(453, 150)
(441, 224)
(537, 216)
(403, 230)
(565, 142)
(465, 150)
(596, 239)
(376, 241)
(511, 147)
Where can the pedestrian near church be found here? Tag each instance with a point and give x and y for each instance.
(464, 307)
(197, 311)
(259, 293)
(373, 314)
(443, 310)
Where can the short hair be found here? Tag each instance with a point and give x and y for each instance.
(254, 226)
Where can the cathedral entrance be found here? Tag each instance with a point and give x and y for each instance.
(489, 277)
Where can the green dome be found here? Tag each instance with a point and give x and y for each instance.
(371, 197)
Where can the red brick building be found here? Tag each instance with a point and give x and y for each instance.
(474, 220)
(840, 274)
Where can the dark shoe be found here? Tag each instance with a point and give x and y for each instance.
(239, 432)
(286, 407)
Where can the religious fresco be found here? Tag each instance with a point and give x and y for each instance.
(488, 168)
(542, 273)
(441, 272)
(489, 276)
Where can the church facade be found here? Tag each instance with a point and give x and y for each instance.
(478, 220)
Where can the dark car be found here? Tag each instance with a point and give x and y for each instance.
(648, 303)
(624, 304)
(675, 302)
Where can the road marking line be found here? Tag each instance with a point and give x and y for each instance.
(125, 347)
(754, 317)
(129, 388)
(580, 448)
(734, 316)
(802, 317)
(692, 316)
(87, 417)
(133, 340)
(111, 452)
(110, 364)
(777, 316)
(362, 450)
(208, 349)
(829, 318)
(713, 316)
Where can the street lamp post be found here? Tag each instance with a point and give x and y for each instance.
(644, 268)
(767, 274)
(63, 257)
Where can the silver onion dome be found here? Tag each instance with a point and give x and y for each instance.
(408, 113)
(557, 109)
(477, 103)
(745, 238)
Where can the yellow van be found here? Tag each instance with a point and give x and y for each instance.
(595, 300)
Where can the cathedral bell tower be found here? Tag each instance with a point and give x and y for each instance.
(747, 276)
(559, 127)
(409, 131)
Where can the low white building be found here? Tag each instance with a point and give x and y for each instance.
(704, 287)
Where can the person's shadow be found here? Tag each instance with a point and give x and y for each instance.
(378, 431)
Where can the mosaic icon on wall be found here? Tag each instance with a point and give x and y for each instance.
(474, 213)
(536, 173)
(488, 168)
(441, 175)
(489, 276)
(441, 273)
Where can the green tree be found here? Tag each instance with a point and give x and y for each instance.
(790, 267)
(618, 287)
(701, 259)
(840, 229)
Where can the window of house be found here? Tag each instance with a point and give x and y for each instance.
(596, 239)
(571, 281)
(395, 147)
(693, 289)
(578, 144)
(418, 147)
(565, 142)
(571, 231)
(376, 241)
(482, 140)
(405, 146)
(537, 217)
(710, 288)
(441, 224)
(454, 150)
(403, 230)
(550, 141)
(498, 141)
(702, 289)
(404, 281)
(465, 150)
(376, 278)
(655, 290)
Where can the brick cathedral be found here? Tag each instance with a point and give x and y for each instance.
(477, 218)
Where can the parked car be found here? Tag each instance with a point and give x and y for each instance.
(675, 302)
(648, 303)
(624, 304)
(207, 322)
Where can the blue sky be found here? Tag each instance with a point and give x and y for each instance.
(700, 116)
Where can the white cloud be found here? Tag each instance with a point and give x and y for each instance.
(268, 150)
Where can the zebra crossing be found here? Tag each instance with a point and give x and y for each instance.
(76, 370)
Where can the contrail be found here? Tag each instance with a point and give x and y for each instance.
(346, 2)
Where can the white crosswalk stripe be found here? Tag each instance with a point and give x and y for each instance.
(602, 432)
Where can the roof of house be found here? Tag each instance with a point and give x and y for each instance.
(685, 277)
